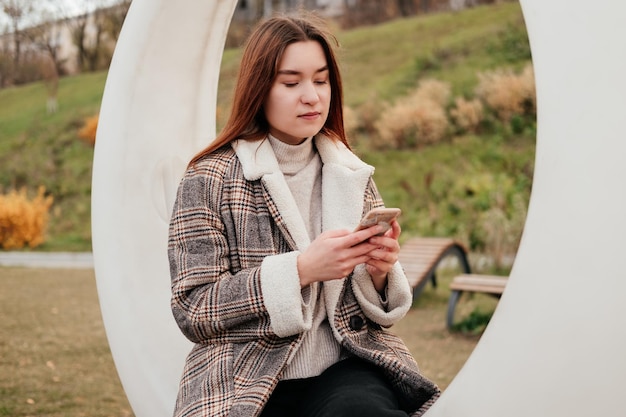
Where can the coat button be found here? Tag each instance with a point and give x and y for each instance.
(356, 323)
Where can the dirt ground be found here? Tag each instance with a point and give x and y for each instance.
(55, 359)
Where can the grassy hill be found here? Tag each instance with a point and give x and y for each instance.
(439, 187)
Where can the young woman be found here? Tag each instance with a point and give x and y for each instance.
(285, 303)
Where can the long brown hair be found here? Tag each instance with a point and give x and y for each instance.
(259, 65)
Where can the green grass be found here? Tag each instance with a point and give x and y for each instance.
(387, 60)
(379, 63)
(37, 148)
(23, 109)
(435, 186)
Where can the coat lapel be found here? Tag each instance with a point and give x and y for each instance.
(344, 181)
(259, 163)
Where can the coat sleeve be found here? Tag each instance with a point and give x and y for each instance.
(210, 302)
(399, 295)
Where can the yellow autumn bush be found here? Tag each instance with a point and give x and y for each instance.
(467, 114)
(416, 120)
(88, 132)
(369, 112)
(23, 221)
(508, 93)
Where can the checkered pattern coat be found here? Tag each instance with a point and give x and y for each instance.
(234, 238)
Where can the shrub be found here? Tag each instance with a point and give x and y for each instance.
(489, 210)
(503, 225)
(23, 221)
(431, 90)
(507, 93)
(88, 132)
(527, 78)
(394, 124)
(416, 120)
(474, 324)
(369, 113)
(467, 114)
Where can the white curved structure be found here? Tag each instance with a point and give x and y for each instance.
(555, 346)
(158, 110)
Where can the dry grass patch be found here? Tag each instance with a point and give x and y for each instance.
(55, 360)
(54, 357)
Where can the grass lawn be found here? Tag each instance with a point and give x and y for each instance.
(54, 356)
(380, 64)
(55, 360)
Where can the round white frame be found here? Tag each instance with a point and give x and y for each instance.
(555, 346)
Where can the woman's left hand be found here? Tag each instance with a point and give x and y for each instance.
(384, 256)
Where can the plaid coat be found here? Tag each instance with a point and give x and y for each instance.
(235, 234)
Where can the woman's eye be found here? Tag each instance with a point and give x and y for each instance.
(321, 82)
(290, 84)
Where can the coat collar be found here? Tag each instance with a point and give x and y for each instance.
(257, 157)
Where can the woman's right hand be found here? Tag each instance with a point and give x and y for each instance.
(334, 254)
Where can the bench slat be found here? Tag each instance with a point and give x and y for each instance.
(479, 283)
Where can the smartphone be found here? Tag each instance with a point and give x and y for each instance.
(381, 216)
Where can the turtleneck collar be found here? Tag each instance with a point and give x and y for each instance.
(292, 158)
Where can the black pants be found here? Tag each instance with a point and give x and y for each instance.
(351, 387)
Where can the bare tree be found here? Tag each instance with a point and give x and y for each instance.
(114, 19)
(6, 65)
(19, 14)
(90, 31)
(46, 37)
(406, 7)
(91, 43)
(77, 26)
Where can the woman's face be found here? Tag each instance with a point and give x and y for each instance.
(299, 100)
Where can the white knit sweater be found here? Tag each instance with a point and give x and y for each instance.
(302, 167)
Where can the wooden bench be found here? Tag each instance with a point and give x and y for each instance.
(421, 256)
(472, 283)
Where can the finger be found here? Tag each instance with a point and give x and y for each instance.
(386, 243)
(362, 235)
(361, 249)
(384, 256)
(395, 230)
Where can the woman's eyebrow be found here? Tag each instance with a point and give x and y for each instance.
(294, 72)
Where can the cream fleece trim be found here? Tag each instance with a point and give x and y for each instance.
(288, 208)
(399, 297)
(282, 296)
(257, 158)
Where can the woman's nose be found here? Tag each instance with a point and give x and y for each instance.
(310, 95)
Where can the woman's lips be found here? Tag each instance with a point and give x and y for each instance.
(310, 115)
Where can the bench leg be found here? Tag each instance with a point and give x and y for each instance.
(452, 302)
(417, 291)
